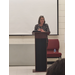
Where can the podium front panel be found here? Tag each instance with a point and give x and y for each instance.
(40, 52)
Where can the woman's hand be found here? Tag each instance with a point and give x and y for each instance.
(39, 29)
(42, 30)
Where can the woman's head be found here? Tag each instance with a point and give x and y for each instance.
(57, 68)
(41, 20)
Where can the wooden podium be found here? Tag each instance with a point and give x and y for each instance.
(40, 51)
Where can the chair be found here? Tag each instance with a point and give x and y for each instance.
(53, 44)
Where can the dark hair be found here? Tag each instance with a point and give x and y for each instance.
(57, 68)
(40, 18)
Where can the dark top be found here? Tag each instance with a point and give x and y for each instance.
(45, 27)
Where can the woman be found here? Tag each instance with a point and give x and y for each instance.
(42, 26)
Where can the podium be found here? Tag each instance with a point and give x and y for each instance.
(40, 51)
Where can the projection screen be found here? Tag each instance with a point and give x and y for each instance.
(24, 14)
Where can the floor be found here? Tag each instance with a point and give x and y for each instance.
(24, 70)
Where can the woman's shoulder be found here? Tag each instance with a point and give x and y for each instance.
(46, 24)
(36, 25)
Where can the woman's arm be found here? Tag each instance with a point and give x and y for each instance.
(48, 30)
(35, 28)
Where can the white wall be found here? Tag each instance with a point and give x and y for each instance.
(24, 15)
(61, 36)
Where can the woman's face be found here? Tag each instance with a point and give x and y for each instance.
(42, 20)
